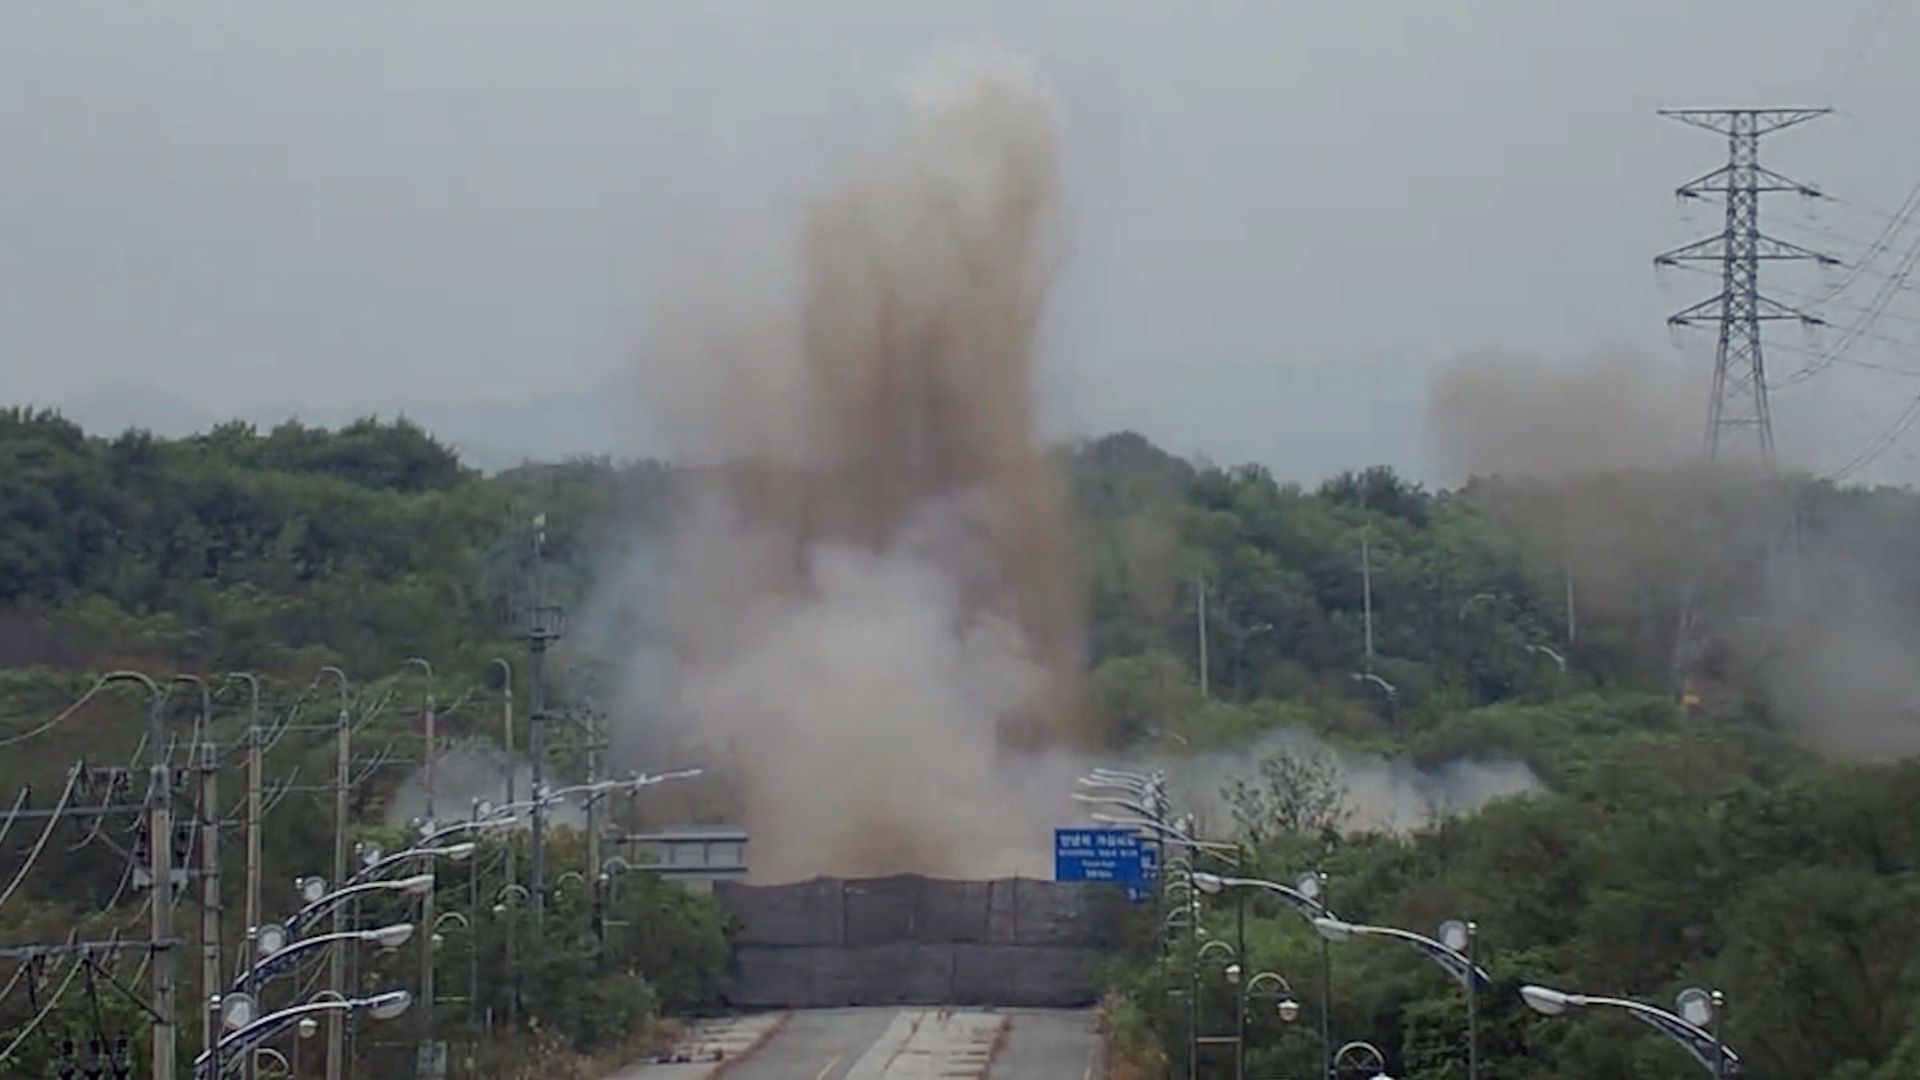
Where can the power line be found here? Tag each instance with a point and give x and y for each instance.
(1857, 59)
(73, 776)
(1876, 305)
(1881, 443)
(45, 1011)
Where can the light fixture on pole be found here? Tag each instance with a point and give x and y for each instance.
(1453, 950)
(1695, 1025)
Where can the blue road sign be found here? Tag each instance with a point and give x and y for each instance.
(1112, 855)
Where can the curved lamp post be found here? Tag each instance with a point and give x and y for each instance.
(1391, 692)
(1285, 1005)
(518, 893)
(1306, 896)
(319, 901)
(277, 953)
(1453, 951)
(1170, 834)
(1363, 1056)
(247, 1032)
(374, 862)
(1695, 1026)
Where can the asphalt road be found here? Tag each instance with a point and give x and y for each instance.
(1048, 1044)
(816, 1044)
(823, 1044)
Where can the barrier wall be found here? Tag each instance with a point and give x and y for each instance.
(912, 940)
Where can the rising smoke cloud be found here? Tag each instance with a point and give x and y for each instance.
(1604, 471)
(864, 618)
(1491, 414)
(1379, 793)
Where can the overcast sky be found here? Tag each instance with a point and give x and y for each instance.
(1287, 214)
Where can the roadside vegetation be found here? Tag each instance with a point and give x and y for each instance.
(1765, 840)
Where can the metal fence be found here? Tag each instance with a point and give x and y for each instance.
(912, 940)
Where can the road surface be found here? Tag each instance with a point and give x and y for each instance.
(907, 1044)
(1049, 1044)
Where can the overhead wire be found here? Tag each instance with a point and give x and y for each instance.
(12, 814)
(1856, 60)
(41, 729)
(45, 1011)
(73, 776)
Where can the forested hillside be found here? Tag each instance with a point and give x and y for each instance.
(1724, 843)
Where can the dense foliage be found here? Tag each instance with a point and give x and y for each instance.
(1670, 846)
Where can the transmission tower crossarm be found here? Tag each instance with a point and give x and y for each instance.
(1726, 179)
(1727, 121)
(1714, 310)
(1715, 249)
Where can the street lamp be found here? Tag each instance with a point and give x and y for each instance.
(319, 901)
(1286, 1007)
(276, 953)
(1391, 692)
(239, 1043)
(374, 861)
(1171, 834)
(1695, 1026)
(1363, 1056)
(1306, 896)
(1453, 951)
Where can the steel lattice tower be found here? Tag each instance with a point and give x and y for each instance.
(1739, 372)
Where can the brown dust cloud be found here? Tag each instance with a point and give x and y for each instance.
(865, 624)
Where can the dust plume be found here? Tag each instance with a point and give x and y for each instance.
(864, 618)
(1377, 793)
(1499, 414)
(1802, 588)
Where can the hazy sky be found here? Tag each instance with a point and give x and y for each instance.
(1287, 215)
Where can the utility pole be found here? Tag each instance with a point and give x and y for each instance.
(513, 871)
(342, 779)
(1200, 618)
(1366, 595)
(256, 753)
(1739, 373)
(428, 1054)
(1573, 626)
(160, 891)
(543, 628)
(593, 835)
(427, 754)
(1739, 399)
(208, 826)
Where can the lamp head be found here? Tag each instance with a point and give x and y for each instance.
(458, 852)
(269, 939)
(1310, 884)
(1545, 1000)
(237, 1010)
(1211, 884)
(1695, 1006)
(1288, 1009)
(417, 885)
(390, 937)
(307, 1027)
(389, 1005)
(311, 888)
